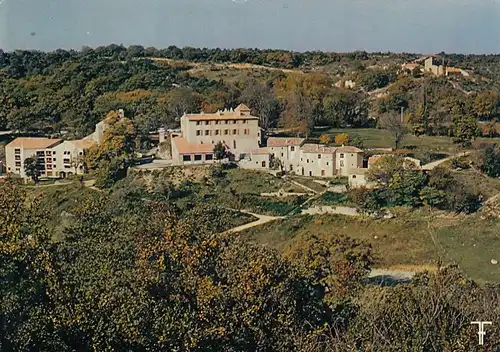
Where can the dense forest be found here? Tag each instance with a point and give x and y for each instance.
(69, 91)
(145, 264)
(133, 270)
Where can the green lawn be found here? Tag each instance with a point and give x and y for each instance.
(309, 182)
(378, 138)
(413, 239)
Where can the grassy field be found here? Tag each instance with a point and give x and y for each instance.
(378, 138)
(413, 239)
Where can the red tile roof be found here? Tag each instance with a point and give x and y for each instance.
(349, 149)
(183, 147)
(242, 107)
(221, 115)
(318, 148)
(83, 143)
(284, 142)
(260, 151)
(33, 143)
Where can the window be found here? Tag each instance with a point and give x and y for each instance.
(197, 157)
(18, 164)
(49, 160)
(186, 158)
(67, 166)
(319, 156)
(54, 152)
(341, 155)
(352, 154)
(353, 176)
(198, 123)
(207, 123)
(281, 154)
(226, 132)
(18, 157)
(225, 121)
(17, 151)
(244, 121)
(341, 163)
(9, 168)
(235, 132)
(66, 161)
(234, 144)
(18, 170)
(263, 164)
(233, 122)
(307, 161)
(292, 149)
(327, 163)
(217, 132)
(48, 153)
(49, 167)
(80, 153)
(207, 133)
(209, 157)
(310, 173)
(245, 131)
(198, 132)
(54, 159)
(323, 172)
(217, 122)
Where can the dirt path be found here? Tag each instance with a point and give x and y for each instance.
(261, 220)
(436, 163)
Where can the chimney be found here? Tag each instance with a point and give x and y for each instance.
(161, 135)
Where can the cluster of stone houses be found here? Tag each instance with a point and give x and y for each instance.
(194, 143)
(239, 132)
(435, 65)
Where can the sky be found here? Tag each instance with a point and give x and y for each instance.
(421, 26)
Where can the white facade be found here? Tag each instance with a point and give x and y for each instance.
(312, 159)
(236, 129)
(56, 158)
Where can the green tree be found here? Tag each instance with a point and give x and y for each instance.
(357, 142)
(490, 161)
(220, 151)
(32, 168)
(465, 130)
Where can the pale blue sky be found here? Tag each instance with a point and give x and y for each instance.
(426, 26)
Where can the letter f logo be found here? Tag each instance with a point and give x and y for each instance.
(481, 331)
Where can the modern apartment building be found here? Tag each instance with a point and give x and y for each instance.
(237, 129)
(56, 158)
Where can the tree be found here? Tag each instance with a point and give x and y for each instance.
(465, 130)
(182, 100)
(342, 139)
(32, 168)
(220, 151)
(324, 139)
(485, 105)
(344, 108)
(397, 128)
(357, 142)
(339, 264)
(490, 161)
(298, 114)
(385, 169)
(261, 99)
